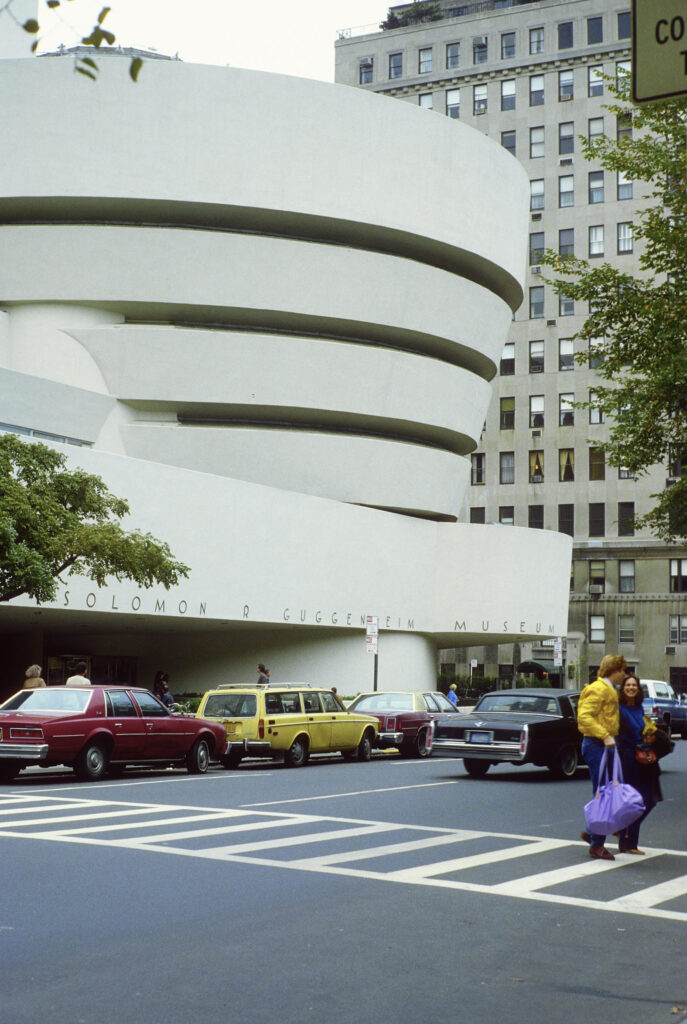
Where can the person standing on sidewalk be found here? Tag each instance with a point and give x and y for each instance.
(598, 721)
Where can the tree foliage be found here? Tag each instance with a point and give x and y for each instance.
(418, 12)
(54, 520)
(637, 325)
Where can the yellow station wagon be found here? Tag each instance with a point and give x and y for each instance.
(290, 720)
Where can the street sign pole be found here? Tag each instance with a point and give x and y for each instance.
(372, 643)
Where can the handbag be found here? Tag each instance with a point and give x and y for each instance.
(645, 754)
(662, 744)
(615, 804)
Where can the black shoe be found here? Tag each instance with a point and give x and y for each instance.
(585, 837)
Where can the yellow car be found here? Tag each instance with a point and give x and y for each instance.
(291, 720)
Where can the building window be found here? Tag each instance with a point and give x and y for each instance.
(537, 302)
(595, 82)
(536, 357)
(566, 190)
(595, 31)
(626, 518)
(536, 90)
(566, 242)
(480, 53)
(623, 127)
(536, 142)
(506, 467)
(596, 186)
(566, 465)
(508, 94)
(536, 410)
(536, 40)
(395, 65)
(477, 515)
(565, 35)
(507, 367)
(537, 194)
(537, 247)
(506, 518)
(565, 85)
(479, 99)
(535, 517)
(566, 354)
(424, 60)
(425, 100)
(597, 576)
(624, 238)
(537, 467)
(597, 464)
(506, 413)
(678, 629)
(596, 413)
(596, 240)
(507, 45)
(625, 474)
(624, 186)
(477, 468)
(508, 142)
(624, 25)
(626, 577)
(566, 409)
(678, 575)
(453, 55)
(597, 519)
(566, 305)
(626, 629)
(596, 358)
(366, 71)
(596, 128)
(566, 138)
(506, 672)
(566, 519)
(453, 102)
(597, 629)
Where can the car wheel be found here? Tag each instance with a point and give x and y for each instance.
(297, 754)
(91, 764)
(565, 764)
(198, 757)
(683, 732)
(476, 769)
(8, 770)
(232, 760)
(365, 748)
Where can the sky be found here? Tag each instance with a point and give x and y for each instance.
(294, 37)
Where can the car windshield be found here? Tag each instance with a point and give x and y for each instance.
(50, 698)
(231, 705)
(518, 703)
(385, 702)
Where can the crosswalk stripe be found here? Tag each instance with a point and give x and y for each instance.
(446, 867)
(392, 848)
(652, 895)
(546, 879)
(313, 837)
(199, 833)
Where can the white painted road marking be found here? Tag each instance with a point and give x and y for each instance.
(357, 860)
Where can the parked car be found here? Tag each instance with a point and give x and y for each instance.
(95, 728)
(529, 726)
(661, 705)
(289, 720)
(405, 717)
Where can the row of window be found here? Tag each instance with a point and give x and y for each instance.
(42, 435)
(626, 629)
(536, 364)
(566, 405)
(566, 518)
(596, 241)
(566, 90)
(507, 47)
(596, 466)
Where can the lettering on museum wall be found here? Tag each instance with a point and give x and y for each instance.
(487, 626)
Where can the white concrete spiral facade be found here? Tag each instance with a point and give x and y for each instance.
(215, 278)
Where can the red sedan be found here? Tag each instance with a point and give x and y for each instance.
(95, 728)
(405, 717)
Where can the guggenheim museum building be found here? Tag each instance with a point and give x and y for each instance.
(237, 297)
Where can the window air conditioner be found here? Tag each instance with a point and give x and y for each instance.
(596, 588)
(536, 478)
(536, 270)
(669, 650)
(479, 40)
(481, 110)
(564, 99)
(367, 60)
(536, 433)
(536, 216)
(566, 161)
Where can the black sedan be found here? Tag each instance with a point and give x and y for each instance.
(533, 726)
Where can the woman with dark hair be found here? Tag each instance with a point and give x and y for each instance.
(636, 732)
(158, 690)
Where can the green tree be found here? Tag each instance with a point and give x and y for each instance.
(54, 520)
(636, 328)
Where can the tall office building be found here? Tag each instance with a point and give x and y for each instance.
(531, 76)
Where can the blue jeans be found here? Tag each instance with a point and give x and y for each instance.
(593, 752)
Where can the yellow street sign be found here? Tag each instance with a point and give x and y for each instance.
(659, 49)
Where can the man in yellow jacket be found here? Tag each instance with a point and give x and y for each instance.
(597, 720)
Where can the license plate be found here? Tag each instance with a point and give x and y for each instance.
(479, 737)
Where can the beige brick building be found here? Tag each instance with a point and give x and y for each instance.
(529, 75)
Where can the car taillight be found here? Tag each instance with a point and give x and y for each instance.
(26, 732)
(261, 728)
(430, 736)
(523, 740)
(391, 724)
(654, 709)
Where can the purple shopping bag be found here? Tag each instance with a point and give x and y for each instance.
(616, 804)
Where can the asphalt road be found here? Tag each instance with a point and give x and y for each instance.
(394, 891)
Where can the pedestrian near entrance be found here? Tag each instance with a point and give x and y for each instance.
(453, 695)
(32, 678)
(598, 721)
(636, 731)
(263, 675)
(157, 684)
(80, 679)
